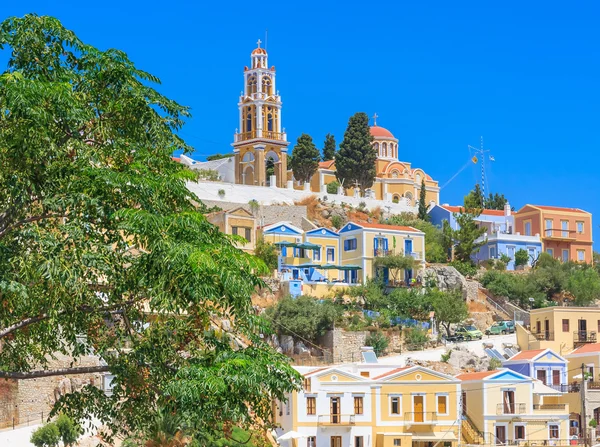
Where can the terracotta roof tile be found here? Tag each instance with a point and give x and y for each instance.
(326, 164)
(378, 131)
(527, 355)
(314, 371)
(456, 209)
(559, 208)
(475, 375)
(392, 372)
(385, 227)
(589, 348)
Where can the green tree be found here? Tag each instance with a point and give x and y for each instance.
(521, 257)
(46, 436)
(378, 341)
(267, 253)
(395, 264)
(306, 158)
(474, 200)
(355, 161)
(69, 431)
(254, 206)
(423, 203)
(333, 187)
(434, 251)
(409, 303)
(329, 148)
(584, 285)
(97, 226)
(449, 307)
(466, 235)
(218, 156)
(495, 202)
(447, 239)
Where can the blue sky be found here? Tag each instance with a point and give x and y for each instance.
(524, 75)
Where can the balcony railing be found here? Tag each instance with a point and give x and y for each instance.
(540, 443)
(513, 408)
(593, 385)
(336, 419)
(268, 134)
(378, 252)
(566, 387)
(581, 337)
(549, 407)
(544, 335)
(420, 417)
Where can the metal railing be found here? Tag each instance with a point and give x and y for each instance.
(336, 419)
(544, 335)
(511, 408)
(544, 442)
(549, 406)
(420, 417)
(584, 337)
(23, 420)
(593, 385)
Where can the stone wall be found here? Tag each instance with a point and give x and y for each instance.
(268, 214)
(345, 345)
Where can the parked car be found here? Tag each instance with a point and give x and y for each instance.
(501, 327)
(469, 332)
(455, 338)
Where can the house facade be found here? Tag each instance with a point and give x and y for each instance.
(566, 233)
(239, 222)
(541, 364)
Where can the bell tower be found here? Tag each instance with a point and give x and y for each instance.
(260, 145)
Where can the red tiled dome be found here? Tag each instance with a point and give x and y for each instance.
(378, 131)
(259, 51)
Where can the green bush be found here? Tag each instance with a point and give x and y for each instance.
(337, 221)
(332, 188)
(500, 265)
(68, 429)
(521, 257)
(446, 356)
(46, 436)
(464, 268)
(494, 364)
(416, 336)
(378, 341)
(267, 252)
(505, 258)
(434, 250)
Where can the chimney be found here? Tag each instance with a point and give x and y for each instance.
(507, 211)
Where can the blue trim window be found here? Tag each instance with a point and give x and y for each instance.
(330, 254)
(317, 254)
(350, 244)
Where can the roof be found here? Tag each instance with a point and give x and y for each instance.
(212, 164)
(527, 355)
(259, 51)
(475, 375)
(314, 371)
(588, 348)
(385, 227)
(177, 159)
(392, 372)
(558, 208)
(378, 131)
(326, 164)
(456, 209)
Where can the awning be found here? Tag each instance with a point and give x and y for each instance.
(350, 267)
(328, 267)
(308, 266)
(308, 246)
(434, 436)
(286, 244)
(544, 390)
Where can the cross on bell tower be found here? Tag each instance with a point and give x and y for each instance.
(375, 116)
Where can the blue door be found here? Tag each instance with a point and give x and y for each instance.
(386, 275)
(408, 247)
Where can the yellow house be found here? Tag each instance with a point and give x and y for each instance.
(237, 221)
(373, 405)
(362, 243)
(504, 407)
(561, 329)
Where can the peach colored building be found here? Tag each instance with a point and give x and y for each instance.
(566, 233)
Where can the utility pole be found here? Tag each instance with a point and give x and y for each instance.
(583, 415)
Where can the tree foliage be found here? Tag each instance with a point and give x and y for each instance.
(68, 429)
(100, 236)
(378, 341)
(46, 436)
(218, 156)
(495, 202)
(333, 187)
(434, 250)
(355, 161)
(423, 203)
(449, 307)
(466, 235)
(521, 257)
(306, 158)
(475, 199)
(395, 263)
(329, 148)
(267, 253)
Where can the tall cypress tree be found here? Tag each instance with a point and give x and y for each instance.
(355, 161)
(423, 202)
(475, 199)
(306, 158)
(329, 148)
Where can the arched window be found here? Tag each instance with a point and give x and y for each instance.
(266, 85)
(248, 156)
(251, 84)
(376, 147)
(384, 149)
(248, 119)
(396, 198)
(419, 179)
(395, 173)
(270, 119)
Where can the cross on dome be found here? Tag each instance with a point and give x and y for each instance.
(375, 116)
(258, 42)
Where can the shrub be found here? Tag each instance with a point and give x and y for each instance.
(521, 257)
(68, 429)
(332, 188)
(208, 174)
(505, 258)
(378, 341)
(464, 268)
(500, 265)
(494, 364)
(221, 193)
(361, 206)
(337, 221)
(267, 252)
(46, 436)
(416, 336)
(445, 357)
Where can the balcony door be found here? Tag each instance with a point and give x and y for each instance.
(334, 410)
(555, 377)
(582, 328)
(508, 398)
(546, 330)
(541, 375)
(500, 434)
(336, 441)
(408, 247)
(418, 408)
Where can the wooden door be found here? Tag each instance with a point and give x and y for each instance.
(500, 434)
(418, 409)
(336, 441)
(509, 401)
(334, 410)
(547, 329)
(541, 375)
(555, 377)
(582, 327)
(538, 327)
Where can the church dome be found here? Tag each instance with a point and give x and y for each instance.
(259, 51)
(381, 132)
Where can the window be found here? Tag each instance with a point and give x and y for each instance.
(330, 254)
(550, 251)
(565, 325)
(397, 442)
(549, 227)
(287, 407)
(266, 85)
(336, 441)
(519, 432)
(564, 225)
(598, 325)
(311, 441)
(580, 227)
(358, 405)
(307, 384)
(493, 252)
(565, 255)
(358, 441)
(395, 173)
(581, 255)
(395, 405)
(311, 405)
(248, 234)
(442, 404)
(317, 254)
(350, 244)
(234, 230)
(527, 228)
(553, 431)
(251, 85)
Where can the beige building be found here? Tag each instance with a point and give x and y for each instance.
(239, 222)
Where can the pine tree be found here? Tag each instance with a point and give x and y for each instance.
(465, 236)
(495, 202)
(423, 202)
(329, 148)
(355, 161)
(475, 199)
(306, 158)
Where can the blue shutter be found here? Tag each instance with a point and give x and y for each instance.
(385, 244)
(376, 243)
(284, 251)
(346, 245)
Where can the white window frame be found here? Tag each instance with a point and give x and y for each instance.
(554, 425)
(308, 444)
(399, 414)
(582, 257)
(527, 228)
(399, 442)
(562, 255)
(493, 248)
(315, 257)
(412, 398)
(564, 231)
(548, 231)
(447, 413)
(515, 425)
(577, 224)
(327, 254)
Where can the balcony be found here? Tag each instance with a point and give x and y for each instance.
(380, 252)
(549, 407)
(259, 133)
(513, 408)
(544, 336)
(420, 417)
(566, 387)
(337, 420)
(583, 337)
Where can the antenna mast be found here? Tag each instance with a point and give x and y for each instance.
(480, 152)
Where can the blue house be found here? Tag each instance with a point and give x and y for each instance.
(498, 244)
(494, 220)
(542, 364)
